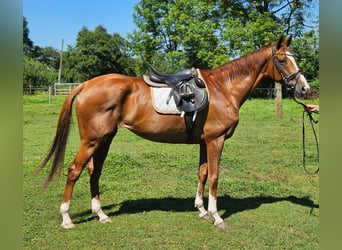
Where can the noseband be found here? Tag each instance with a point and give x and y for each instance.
(286, 78)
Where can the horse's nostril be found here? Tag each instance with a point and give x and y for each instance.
(305, 89)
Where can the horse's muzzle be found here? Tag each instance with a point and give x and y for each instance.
(302, 88)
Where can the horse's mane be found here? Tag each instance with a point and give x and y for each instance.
(242, 66)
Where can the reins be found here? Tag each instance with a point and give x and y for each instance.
(312, 122)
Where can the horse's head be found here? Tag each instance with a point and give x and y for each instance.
(285, 69)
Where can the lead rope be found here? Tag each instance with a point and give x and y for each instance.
(312, 122)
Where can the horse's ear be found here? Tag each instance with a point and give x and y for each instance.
(288, 41)
(279, 41)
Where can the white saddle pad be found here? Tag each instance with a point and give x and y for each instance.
(159, 97)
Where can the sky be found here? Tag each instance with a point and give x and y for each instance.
(50, 21)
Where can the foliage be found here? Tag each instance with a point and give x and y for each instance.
(176, 29)
(306, 49)
(208, 33)
(291, 15)
(96, 53)
(27, 42)
(259, 30)
(148, 188)
(47, 56)
(37, 73)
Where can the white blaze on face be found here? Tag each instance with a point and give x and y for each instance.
(303, 84)
(291, 58)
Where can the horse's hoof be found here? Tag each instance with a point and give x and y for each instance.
(221, 226)
(68, 225)
(105, 220)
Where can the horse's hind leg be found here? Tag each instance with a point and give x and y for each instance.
(82, 157)
(202, 179)
(95, 169)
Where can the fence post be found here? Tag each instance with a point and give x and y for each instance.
(278, 101)
(49, 94)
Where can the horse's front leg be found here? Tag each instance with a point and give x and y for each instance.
(214, 151)
(202, 179)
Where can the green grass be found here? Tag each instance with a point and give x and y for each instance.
(148, 188)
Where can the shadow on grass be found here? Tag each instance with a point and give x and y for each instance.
(229, 204)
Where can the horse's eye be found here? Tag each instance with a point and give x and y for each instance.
(282, 61)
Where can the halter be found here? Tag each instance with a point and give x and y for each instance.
(281, 72)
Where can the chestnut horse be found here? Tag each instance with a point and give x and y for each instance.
(113, 101)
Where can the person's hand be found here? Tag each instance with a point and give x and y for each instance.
(312, 108)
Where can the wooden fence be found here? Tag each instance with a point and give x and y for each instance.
(63, 88)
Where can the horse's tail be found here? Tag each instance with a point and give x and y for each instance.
(57, 149)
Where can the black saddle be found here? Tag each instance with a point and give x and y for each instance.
(171, 79)
(187, 89)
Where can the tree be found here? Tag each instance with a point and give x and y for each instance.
(36, 73)
(96, 53)
(176, 34)
(194, 32)
(206, 33)
(307, 52)
(28, 47)
(259, 29)
(262, 21)
(48, 56)
(292, 15)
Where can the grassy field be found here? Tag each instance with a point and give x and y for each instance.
(148, 188)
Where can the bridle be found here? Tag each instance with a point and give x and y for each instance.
(286, 79)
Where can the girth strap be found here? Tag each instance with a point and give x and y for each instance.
(190, 126)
